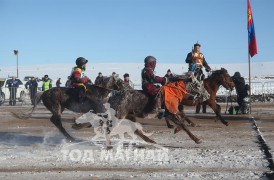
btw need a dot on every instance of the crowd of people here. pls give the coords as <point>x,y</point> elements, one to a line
<point>150,82</point>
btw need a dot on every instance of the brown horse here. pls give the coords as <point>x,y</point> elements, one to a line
<point>135,103</point>
<point>58,98</point>
<point>211,84</point>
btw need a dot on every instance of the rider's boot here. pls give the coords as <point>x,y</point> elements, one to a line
<point>82,94</point>
<point>204,107</point>
<point>158,105</point>
<point>198,107</point>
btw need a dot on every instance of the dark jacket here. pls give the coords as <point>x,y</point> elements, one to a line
<point>31,84</point>
<point>240,85</point>
<point>13,84</point>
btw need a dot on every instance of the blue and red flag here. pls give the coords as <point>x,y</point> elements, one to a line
<point>252,44</point>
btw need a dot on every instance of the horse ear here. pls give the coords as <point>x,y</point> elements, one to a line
<point>116,77</point>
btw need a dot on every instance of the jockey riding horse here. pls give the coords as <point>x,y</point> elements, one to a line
<point>196,62</point>
<point>78,78</point>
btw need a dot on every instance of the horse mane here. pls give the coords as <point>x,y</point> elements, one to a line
<point>218,72</point>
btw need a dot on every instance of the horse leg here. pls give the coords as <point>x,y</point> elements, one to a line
<point>131,117</point>
<point>181,125</point>
<point>183,116</point>
<point>144,137</point>
<point>56,120</point>
<point>168,124</point>
<point>217,109</point>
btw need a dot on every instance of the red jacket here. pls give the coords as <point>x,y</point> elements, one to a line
<point>149,78</point>
<point>78,78</point>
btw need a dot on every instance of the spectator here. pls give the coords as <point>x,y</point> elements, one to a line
<point>1,98</point>
<point>68,83</point>
<point>198,107</point>
<point>32,86</point>
<point>99,78</point>
<point>58,82</point>
<point>46,83</point>
<point>13,85</point>
<point>241,90</point>
<point>169,74</point>
<point>128,84</point>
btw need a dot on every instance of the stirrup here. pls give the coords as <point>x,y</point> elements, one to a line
<point>160,110</point>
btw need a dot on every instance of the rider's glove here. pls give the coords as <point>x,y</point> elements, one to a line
<point>208,69</point>
<point>85,80</point>
<point>166,80</point>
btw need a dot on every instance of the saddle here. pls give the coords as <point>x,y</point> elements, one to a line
<point>173,93</point>
<point>78,92</point>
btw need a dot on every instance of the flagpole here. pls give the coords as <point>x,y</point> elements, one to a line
<point>249,71</point>
<point>249,81</point>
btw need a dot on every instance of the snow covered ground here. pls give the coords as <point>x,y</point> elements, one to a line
<point>35,149</point>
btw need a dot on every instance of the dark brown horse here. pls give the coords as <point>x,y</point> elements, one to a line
<point>135,103</point>
<point>58,98</point>
<point>212,83</point>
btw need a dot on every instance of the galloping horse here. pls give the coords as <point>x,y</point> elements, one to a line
<point>58,98</point>
<point>212,83</point>
<point>136,103</point>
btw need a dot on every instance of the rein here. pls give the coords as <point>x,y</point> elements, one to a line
<point>105,88</point>
<point>173,86</point>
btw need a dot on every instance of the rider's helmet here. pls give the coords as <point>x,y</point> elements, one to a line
<point>80,61</point>
<point>149,59</point>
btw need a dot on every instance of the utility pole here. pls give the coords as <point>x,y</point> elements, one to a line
<point>16,52</point>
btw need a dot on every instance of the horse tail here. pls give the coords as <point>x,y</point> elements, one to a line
<point>143,136</point>
<point>140,127</point>
<point>22,115</point>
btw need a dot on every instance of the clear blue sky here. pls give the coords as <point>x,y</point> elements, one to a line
<point>59,31</point>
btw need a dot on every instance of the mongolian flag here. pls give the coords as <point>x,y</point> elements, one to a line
<point>252,44</point>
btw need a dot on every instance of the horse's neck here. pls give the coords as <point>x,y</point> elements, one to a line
<point>211,84</point>
<point>99,91</point>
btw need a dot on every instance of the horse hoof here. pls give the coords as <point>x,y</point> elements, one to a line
<point>176,130</point>
<point>80,126</point>
<point>109,147</point>
<point>71,140</point>
<point>193,125</point>
<point>170,126</point>
<point>227,124</point>
<point>199,141</point>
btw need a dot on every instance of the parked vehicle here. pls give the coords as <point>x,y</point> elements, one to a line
<point>5,93</point>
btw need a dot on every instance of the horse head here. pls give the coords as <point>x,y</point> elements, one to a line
<point>111,82</point>
<point>223,78</point>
